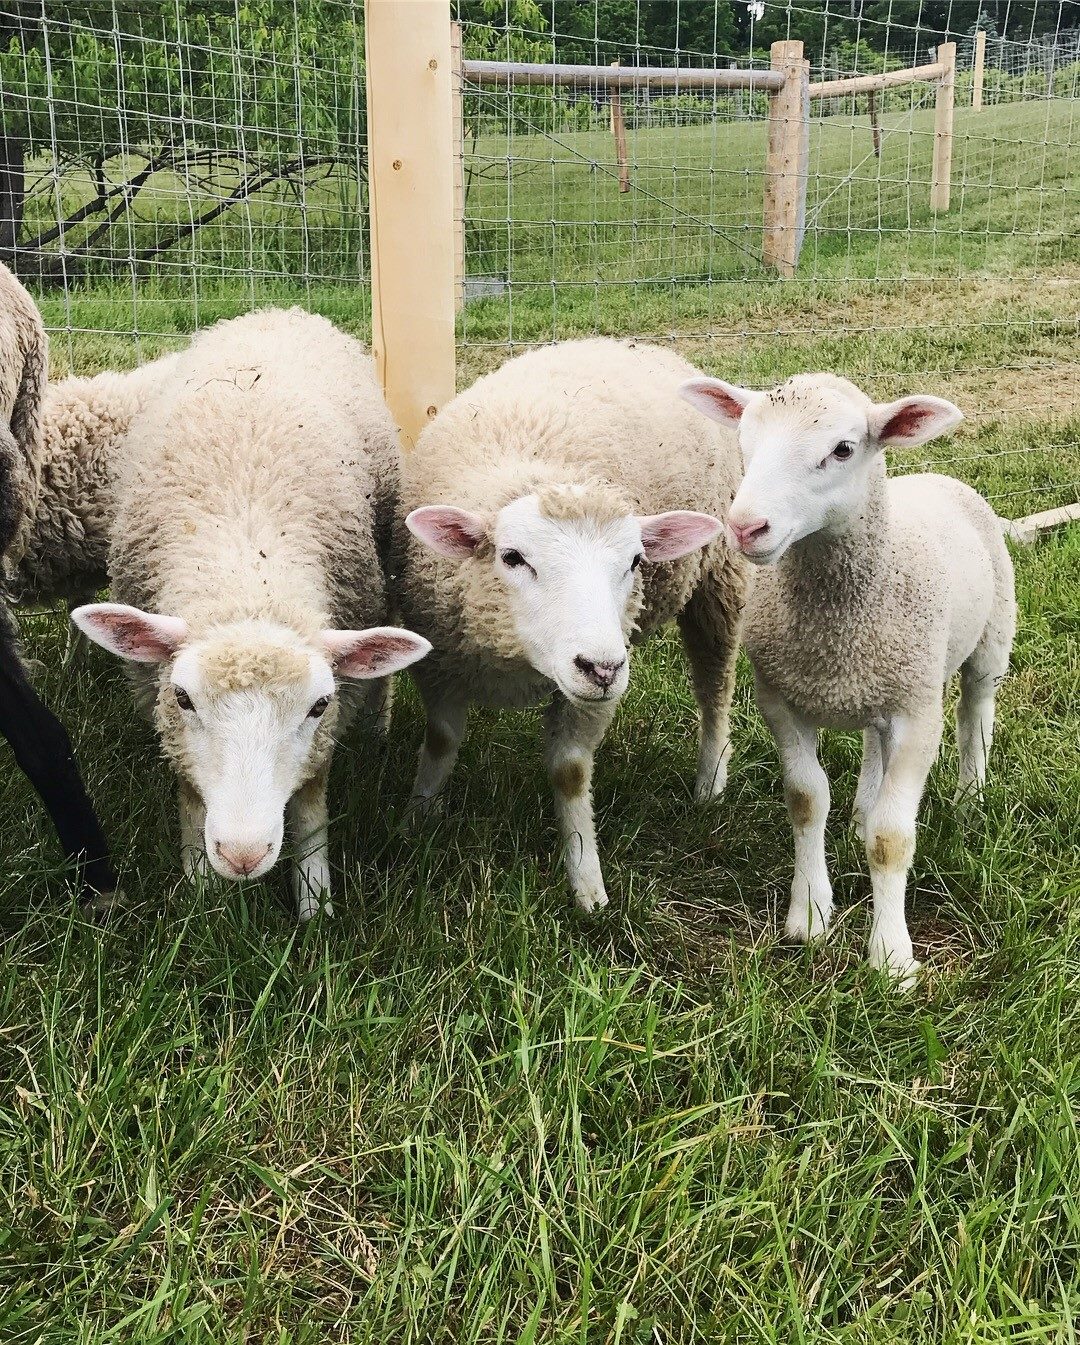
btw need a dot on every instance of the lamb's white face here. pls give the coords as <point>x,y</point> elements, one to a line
<point>569,579</point>
<point>810,452</point>
<point>246,749</point>
<point>246,714</point>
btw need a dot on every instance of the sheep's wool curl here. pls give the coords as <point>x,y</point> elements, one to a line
<point>595,429</point>
<point>84,425</point>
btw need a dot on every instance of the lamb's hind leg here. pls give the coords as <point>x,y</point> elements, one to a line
<point>869,779</point>
<point>980,677</point>
<point>709,625</point>
<point>446,716</point>
<point>308,827</point>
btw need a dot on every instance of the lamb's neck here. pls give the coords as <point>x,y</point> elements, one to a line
<point>845,562</point>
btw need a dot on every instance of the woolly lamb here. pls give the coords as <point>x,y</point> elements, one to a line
<point>251,497</point>
<point>38,740</point>
<point>875,592</point>
<point>543,489</point>
<point>84,423</point>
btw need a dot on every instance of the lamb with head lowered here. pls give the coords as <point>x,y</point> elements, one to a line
<point>555,518</point>
<point>254,502</point>
<point>871,593</point>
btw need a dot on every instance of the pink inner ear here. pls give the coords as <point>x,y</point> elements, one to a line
<point>141,636</point>
<point>669,536</point>
<point>449,531</point>
<point>373,653</point>
<point>907,421</point>
<point>714,399</point>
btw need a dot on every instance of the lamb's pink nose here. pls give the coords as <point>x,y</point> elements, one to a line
<point>745,533</point>
<point>243,859</point>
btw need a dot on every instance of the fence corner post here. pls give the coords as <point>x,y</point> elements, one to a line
<point>411,201</point>
<point>787,159</point>
<point>978,71</point>
<point>941,181</point>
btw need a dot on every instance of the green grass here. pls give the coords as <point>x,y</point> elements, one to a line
<point>459,1114</point>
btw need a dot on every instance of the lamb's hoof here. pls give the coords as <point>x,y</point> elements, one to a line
<point>858,821</point>
<point>307,908</point>
<point>709,786</point>
<point>806,926</point>
<point>103,903</point>
<point>591,901</point>
<point>421,812</point>
<point>966,800</point>
<point>901,969</point>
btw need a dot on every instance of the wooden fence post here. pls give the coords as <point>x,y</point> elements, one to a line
<point>787,160</point>
<point>875,125</point>
<point>977,71</point>
<point>458,113</point>
<point>411,199</point>
<point>941,181</point>
<point>618,130</point>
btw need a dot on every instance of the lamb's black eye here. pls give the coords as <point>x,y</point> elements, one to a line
<point>512,559</point>
<point>319,708</point>
<point>183,699</point>
<point>636,561</point>
<point>843,451</point>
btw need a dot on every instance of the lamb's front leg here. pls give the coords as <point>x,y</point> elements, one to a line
<point>307,819</point>
<point>806,791</point>
<point>574,733</point>
<point>911,744</point>
<point>447,712</point>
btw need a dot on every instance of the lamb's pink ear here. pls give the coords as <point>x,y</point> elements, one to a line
<point>376,652</point>
<point>450,532</point>
<point>669,536</point>
<point>140,636</point>
<point>912,421</point>
<point>718,400</point>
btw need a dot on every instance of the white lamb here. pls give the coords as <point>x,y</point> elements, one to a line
<point>254,497</point>
<point>536,496</point>
<point>874,593</point>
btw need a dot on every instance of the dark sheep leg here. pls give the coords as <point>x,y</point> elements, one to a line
<point>44,753</point>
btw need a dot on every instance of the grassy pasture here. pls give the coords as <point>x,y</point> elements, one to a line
<point>459,1114</point>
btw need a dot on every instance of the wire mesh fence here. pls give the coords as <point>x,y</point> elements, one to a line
<point>979,302</point>
<point>165,165</point>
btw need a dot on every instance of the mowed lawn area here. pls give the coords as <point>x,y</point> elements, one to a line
<point>457,1113</point>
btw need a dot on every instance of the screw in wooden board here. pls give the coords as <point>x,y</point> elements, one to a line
<point>433,64</point>
<point>397,164</point>
<point>431,411</point>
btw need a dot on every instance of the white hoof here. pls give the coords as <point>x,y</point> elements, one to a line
<point>898,965</point>
<point>808,924</point>
<point>592,900</point>
<point>309,907</point>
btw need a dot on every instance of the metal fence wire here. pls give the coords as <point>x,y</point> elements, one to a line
<point>165,165</point>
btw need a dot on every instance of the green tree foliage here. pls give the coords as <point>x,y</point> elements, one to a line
<point>235,97</point>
